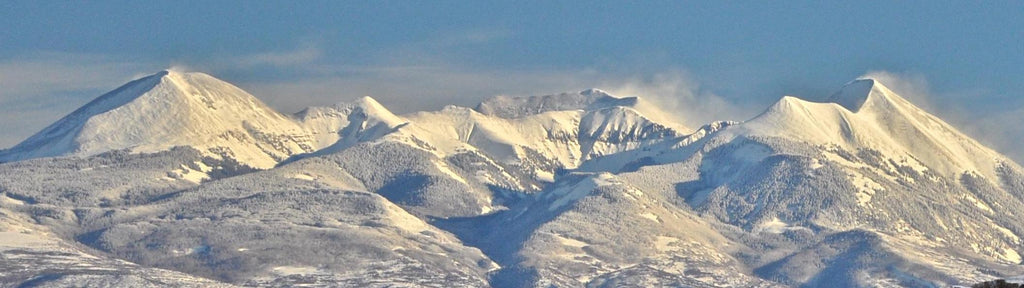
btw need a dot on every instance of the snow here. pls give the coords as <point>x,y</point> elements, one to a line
<point>448,171</point>
<point>816,164</point>
<point>605,125</point>
<point>571,194</point>
<point>191,250</point>
<point>567,128</point>
<point>866,114</point>
<point>22,239</point>
<point>664,243</point>
<point>650,216</point>
<point>750,154</point>
<point>544,176</point>
<point>303,176</point>
<point>1011,255</point>
<point>194,176</point>
<point>854,94</point>
<point>590,131</point>
<point>370,106</point>
<point>345,124</point>
<point>586,100</point>
<point>9,200</point>
<point>776,226</point>
<point>405,221</point>
<point>571,242</point>
<point>172,109</point>
<point>1006,232</point>
<point>295,270</point>
<point>978,203</point>
<point>456,129</point>
<point>866,188</point>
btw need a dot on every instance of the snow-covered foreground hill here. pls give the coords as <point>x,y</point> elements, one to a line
<point>180,179</point>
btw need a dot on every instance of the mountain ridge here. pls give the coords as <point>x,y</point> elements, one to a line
<point>567,190</point>
<point>868,114</point>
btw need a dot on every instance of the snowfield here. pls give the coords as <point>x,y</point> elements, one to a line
<point>181,179</point>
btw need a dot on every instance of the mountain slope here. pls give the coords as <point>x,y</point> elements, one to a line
<point>345,124</point>
<point>31,255</point>
<point>866,114</point>
<point>459,162</point>
<point>871,162</point>
<point>172,109</point>
<point>287,227</point>
<point>566,130</point>
<point>568,190</point>
<point>598,230</point>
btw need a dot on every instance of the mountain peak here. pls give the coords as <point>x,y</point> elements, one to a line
<point>176,71</point>
<point>163,110</point>
<point>377,112</point>
<point>854,94</point>
<point>857,93</point>
<point>175,74</point>
<point>515,107</point>
<point>866,114</point>
<point>368,103</point>
<point>587,100</point>
<point>594,92</point>
<point>365,105</point>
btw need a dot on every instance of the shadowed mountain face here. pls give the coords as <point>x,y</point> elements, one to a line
<point>180,179</point>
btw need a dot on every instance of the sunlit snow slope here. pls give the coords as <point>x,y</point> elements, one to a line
<point>582,189</point>
<point>170,109</point>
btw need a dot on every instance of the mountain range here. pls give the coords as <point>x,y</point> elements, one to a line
<point>181,179</point>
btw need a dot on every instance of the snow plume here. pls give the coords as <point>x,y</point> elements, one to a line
<point>1002,132</point>
<point>987,126</point>
<point>679,96</point>
<point>999,129</point>
<point>179,67</point>
<point>911,86</point>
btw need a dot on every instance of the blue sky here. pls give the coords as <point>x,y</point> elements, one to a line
<point>719,60</point>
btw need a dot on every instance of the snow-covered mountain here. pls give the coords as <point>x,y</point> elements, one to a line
<point>170,109</point>
<point>187,177</point>
<point>867,115</point>
<point>869,164</point>
<point>348,123</point>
